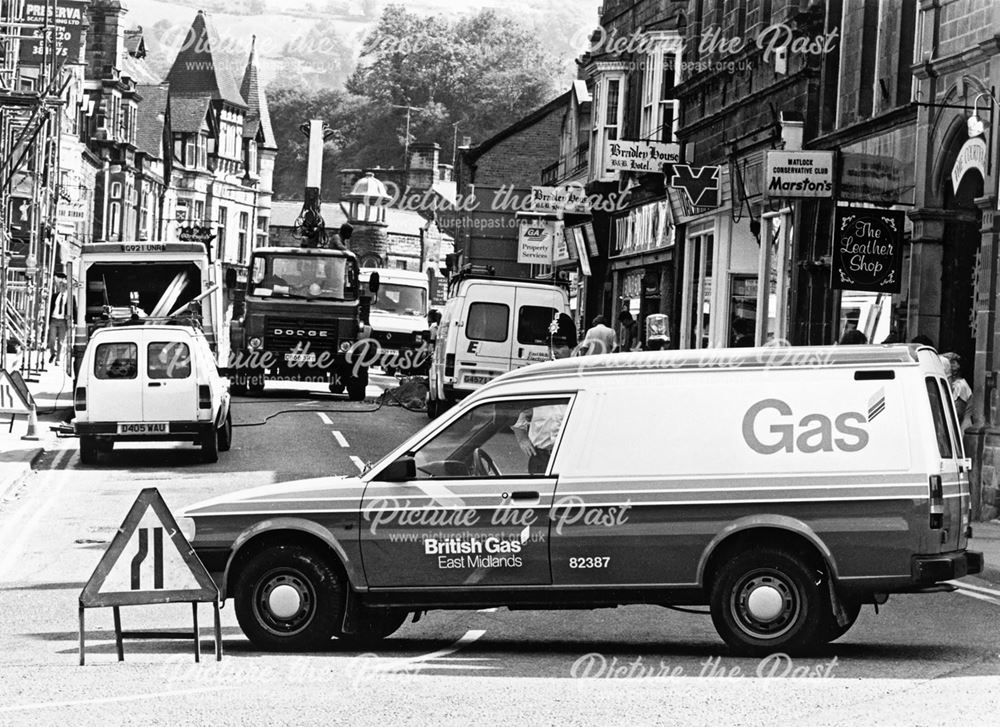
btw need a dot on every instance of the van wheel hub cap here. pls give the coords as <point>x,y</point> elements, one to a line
<point>285,602</point>
<point>765,603</point>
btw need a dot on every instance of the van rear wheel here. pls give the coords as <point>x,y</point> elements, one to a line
<point>225,434</point>
<point>766,600</point>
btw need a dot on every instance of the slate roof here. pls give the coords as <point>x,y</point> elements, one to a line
<point>152,117</point>
<point>195,73</point>
<point>138,70</point>
<point>187,114</point>
<point>258,115</point>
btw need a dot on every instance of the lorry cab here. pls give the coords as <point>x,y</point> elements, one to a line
<point>399,319</point>
<point>489,326</point>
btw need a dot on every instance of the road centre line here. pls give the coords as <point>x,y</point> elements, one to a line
<point>970,587</point>
<point>358,463</point>
<point>110,700</point>
<point>979,596</point>
<point>340,439</point>
<point>394,664</point>
<point>325,418</point>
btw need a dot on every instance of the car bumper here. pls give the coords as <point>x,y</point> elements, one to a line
<point>179,431</point>
<point>945,567</point>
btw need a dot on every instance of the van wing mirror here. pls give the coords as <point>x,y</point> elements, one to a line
<point>402,470</point>
<point>374,282</point>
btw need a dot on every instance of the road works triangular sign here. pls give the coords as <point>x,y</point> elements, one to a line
<point>14,395</point>
<point>148,561</point>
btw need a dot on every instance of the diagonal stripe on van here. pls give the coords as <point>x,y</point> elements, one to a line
<point>876,405</point>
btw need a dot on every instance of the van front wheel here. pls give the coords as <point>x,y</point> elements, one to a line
<point>767,600</point>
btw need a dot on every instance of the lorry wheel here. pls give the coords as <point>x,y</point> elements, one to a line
<point>766,600</point>
<point>225,434</point>
<point>289,598</point>
<point>210,445</point>
<point>372,625</point>
<point>88,450</point>
<point>833,630</point>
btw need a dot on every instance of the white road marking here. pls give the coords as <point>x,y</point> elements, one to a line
<point>358,463</point>
<point>981,597</point>
<point>108,700</point>
<point>978,589</point>
<point>325,418</point>
<point>396,664</point>
<point>488,610</point>
<point>25,531</point>
<point>340,439</point>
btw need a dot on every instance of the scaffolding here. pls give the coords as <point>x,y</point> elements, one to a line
<point>30,130</point>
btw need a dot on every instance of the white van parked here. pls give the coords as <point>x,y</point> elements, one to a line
<point>489,326</point>
<point>149,383</point>
<point>399,319</point>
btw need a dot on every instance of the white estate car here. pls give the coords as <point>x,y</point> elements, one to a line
<point>152,382</point>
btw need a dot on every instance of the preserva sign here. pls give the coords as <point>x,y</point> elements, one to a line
<point>66,23</point>
<point>798,174</point>
<point>642,156</point>
<point>535,239</point>
<point>868,249</point>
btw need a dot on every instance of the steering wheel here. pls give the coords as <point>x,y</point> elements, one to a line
<point>483,465</point>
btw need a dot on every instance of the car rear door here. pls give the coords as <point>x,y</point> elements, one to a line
<point>535,312</point>
<point>170,389</point>
<point>114,384</point>
<point>484,335</point>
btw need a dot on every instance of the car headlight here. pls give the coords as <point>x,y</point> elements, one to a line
<point>255,343</point>
<point>187,526</point>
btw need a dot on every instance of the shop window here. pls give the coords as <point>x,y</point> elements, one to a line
<point>698,289</point>
<point>743,311</point>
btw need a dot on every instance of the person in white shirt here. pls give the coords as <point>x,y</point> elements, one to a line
<point>600,338</point>
<point>961,392</point>
<point>59,315</point>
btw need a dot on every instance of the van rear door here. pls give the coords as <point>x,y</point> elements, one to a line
<point>114,386</point>
<point>483,348</point>
<point>170,389</point>
<point>948,487</point>
<point>535,311</point>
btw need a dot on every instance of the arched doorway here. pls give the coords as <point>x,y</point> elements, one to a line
<point>959,264</point>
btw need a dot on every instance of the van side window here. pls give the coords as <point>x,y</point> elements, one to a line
<point>116,361</point>
<point>956,428</point>
<point>168,360</point>
<point>940,422</point>
<point>514,438</point>
<point>533,324</point>
<point>487,322</point>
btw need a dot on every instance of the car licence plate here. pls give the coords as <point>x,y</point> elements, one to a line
<point>143,428</point>
<point>300,358</point>
<point>476,379</point>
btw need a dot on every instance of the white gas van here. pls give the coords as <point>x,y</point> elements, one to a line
<point>150,383</point>
<point>489,326</point>
<point>398,319</point>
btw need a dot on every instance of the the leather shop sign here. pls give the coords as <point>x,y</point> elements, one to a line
<point>868,249</point>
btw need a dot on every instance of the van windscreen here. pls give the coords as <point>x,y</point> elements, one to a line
<point>940,421</point>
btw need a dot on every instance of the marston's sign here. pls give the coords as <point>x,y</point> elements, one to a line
<point>868,249</point>
<point>972,155</point>
<point>642,156</point>
<point>798,174</point>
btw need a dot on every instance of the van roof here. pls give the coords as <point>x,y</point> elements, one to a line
<point>725,358</point>
<point>394,274</point>
<point>189,330</point>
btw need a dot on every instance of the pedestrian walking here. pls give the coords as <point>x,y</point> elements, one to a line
<point>961,392</point>
<point>600,338</point>
<point>629,332</point>
<point>60,313</point>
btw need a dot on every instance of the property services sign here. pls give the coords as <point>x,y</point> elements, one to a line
<point>799,174</point>
<point>868,249</point>
<point>535,239</point>
<point>642,156</point>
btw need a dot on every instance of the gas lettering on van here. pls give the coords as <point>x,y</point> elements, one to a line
<point>815,431</point>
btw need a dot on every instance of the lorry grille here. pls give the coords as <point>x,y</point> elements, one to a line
<point>394,341</point>
<point>283,335</point>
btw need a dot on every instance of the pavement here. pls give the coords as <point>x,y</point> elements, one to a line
<point>52,390</point>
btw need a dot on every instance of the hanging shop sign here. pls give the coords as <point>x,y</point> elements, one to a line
<point>568,198</point>
<point>68,21</point>
<point>972,155</point>
<point>868,249</point>
<point>702,185</point>
<point>591,239</point>
<point>642,156</point>
<point>535,240</point>
<point>798,174</point>
<point>870,178</point>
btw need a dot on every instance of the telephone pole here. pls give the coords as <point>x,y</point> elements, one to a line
<point>406,140</point>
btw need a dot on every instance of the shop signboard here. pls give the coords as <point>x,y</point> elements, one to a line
<point>870,178</point>
<point>643,229</point>
<point>702,185</point>
<point>798,174</point>
<point>535,240</point>
<point>868,249</point>
<point>972,155</point>
<point>642,156</point>
<point>568,198</point>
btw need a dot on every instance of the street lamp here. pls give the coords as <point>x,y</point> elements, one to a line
<point>975,124</point>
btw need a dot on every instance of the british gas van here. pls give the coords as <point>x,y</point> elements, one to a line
<point>784,488</point>
<point>489,326</point>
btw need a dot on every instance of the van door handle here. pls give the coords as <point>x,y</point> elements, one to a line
<point>155,383</point>
<point>520,353</point>
<point>525,495</point>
